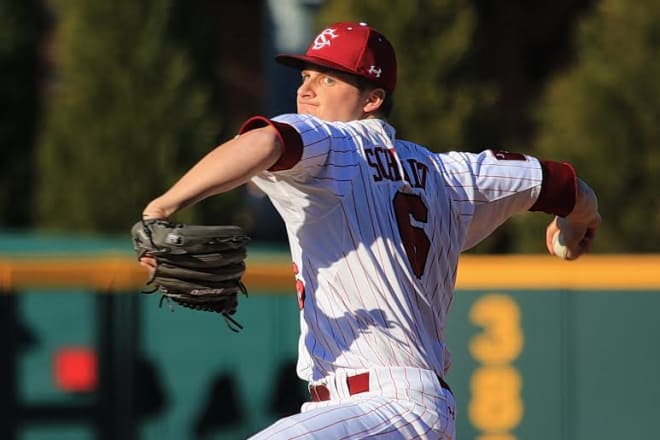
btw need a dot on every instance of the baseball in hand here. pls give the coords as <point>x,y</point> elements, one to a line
<point>561,250</point>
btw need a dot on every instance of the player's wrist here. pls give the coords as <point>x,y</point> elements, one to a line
<point>585,211</point>
<point>158,209</point>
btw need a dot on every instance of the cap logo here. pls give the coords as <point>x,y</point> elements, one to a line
<point>374,71</point>
<point>323,39</point>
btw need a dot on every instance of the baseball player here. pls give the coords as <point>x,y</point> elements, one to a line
<point>376,225</point>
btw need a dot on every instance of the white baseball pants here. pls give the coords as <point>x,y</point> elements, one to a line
<point>402,403</point>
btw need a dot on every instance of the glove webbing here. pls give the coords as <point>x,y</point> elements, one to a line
<point>232,324</point>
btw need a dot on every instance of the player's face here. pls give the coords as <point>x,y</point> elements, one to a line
<point>330,95</point>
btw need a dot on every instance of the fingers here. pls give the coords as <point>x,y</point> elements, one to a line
<point>577,237</point>
<point>550,232</point>
<point>578,229</point>
<point>147,262</point>
<point>587,240</point>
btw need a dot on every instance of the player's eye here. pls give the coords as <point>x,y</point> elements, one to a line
<point>304,77</point>
<point>328,80</point>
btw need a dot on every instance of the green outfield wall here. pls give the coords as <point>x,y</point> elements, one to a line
<point>541,349</point>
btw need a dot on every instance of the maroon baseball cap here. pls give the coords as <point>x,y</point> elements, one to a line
<point>354,48</point>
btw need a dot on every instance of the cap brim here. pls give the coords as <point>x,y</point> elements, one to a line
<point>300,61</point>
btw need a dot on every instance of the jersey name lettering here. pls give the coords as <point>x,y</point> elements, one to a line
<point>383,162</point>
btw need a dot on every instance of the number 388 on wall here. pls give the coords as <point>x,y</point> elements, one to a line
<point>496,406</point>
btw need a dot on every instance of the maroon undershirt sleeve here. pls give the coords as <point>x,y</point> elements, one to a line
<point>290,140</point>
<point>558,190</point>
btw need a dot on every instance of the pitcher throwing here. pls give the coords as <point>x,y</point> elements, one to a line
<point>376,225</point>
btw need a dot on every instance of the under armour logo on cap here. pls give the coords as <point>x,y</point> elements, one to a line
<point>375,72</point>
<point>354,48</point>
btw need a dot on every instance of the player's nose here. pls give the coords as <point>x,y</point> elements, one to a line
<point>305,90</point>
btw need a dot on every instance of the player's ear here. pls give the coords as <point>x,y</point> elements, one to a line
<point>373,100</point>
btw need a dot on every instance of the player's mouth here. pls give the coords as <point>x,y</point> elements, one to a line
<point>306,108</point>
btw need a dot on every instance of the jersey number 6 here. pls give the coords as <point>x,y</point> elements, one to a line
<point>406,208</point>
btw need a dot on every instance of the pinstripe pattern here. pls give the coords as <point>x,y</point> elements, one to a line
<point>421,411</point>
<point>365,307</point>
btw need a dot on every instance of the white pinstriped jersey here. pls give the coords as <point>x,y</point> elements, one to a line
<point>376,226</point>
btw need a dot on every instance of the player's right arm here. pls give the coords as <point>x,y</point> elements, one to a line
<point>492,186</point>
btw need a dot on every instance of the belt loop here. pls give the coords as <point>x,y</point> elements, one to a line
<point>319,393</point>
<point>340,384</point>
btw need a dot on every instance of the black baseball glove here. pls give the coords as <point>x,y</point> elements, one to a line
<point>197,266</point>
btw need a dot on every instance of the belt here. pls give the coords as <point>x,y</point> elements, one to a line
<point>356,384</point>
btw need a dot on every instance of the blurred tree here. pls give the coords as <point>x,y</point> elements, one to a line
<point>126,115</point>
<point>469,72</point>
<point>23,25</point>
<point>217,42</point>
<point>603,115</point>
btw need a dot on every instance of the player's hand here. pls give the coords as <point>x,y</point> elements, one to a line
<point>149,263</point>
<point>571,236</point>
<point>574,240</point>
<point>152,211</point>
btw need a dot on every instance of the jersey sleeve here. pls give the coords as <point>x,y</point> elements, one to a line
<point>559,189</point>
<point>289,138</point>
<point>306,141</point>
<point>488,188</point>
